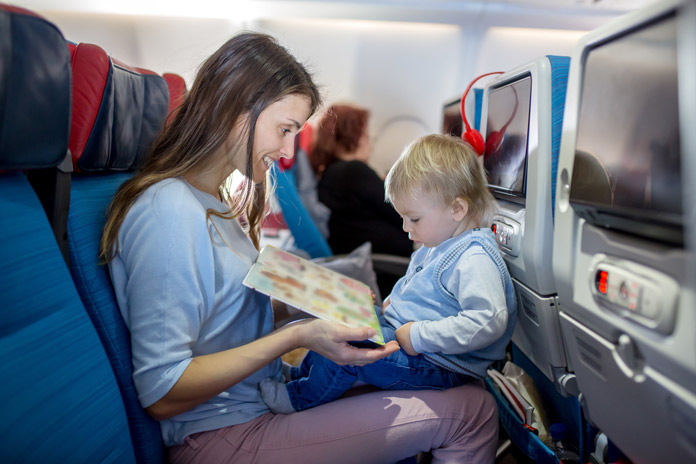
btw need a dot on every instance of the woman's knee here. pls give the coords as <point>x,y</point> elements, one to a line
<point>476,405</point>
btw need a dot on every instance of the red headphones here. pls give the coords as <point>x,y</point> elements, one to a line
<point>472,136</point>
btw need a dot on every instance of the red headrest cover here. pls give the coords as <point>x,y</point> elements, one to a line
<point>177,92</point>
<point>117,111</point>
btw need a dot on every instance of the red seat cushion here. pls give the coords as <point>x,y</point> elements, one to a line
<point>177,92</point>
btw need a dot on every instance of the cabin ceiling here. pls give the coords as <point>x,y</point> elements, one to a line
<point>437,11</point>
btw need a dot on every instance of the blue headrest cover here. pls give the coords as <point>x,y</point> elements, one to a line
<point>34,91</point>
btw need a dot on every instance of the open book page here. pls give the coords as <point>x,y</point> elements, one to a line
<point>314,289</point>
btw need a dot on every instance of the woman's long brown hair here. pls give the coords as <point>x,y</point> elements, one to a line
<point>248,73</point>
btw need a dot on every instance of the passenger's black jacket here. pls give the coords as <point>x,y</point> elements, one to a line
<point>355,195</point>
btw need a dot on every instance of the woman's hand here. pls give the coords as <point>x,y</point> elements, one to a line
<point>403,336</point>
<point>331,341</point>
<point>208,375</point>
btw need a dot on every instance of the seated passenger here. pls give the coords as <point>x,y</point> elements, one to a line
<point>453,312</point>
<point>351,189</point>
<point>201,340</point>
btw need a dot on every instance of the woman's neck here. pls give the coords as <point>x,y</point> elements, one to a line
<point>204,183</point>
<point>211,177</point>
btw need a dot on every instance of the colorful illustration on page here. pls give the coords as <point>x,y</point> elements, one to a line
<point>314,289</point>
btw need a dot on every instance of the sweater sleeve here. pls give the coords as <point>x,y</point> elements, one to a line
<point>167,266</point>
<point>474,280</point>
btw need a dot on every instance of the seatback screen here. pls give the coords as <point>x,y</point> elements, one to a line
<point>507,128</point>
<point>627,168</point>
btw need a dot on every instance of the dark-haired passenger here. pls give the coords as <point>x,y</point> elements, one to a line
<point>351,189</point>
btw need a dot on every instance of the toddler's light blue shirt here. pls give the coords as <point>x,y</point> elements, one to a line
<point>462,301</point>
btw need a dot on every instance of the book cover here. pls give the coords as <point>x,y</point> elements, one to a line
<point>314,289</point>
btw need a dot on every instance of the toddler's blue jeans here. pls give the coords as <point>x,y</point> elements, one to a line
<point>318,380</point>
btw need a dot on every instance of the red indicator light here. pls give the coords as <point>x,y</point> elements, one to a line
<point>494,227</point>
<point>601,281</point>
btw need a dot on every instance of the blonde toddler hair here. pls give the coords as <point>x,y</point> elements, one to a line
<point>446,168</point>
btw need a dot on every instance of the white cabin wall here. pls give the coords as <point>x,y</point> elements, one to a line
<point>114,33</point>
<point>395,70</point>
<point>161,44</point>
<point>505,48</point>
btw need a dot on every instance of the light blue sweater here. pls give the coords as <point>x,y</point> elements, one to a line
<point>178,282</point>
<point>462,300</point>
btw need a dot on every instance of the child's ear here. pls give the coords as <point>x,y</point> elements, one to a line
<point>460,208</point>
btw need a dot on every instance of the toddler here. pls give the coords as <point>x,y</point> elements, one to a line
<point>453,312</point>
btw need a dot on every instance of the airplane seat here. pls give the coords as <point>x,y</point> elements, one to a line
<point>478,106</point>
<point>523,121</point>
<point>295,191</point>
<point>52,186</point>
<point>304,230</point>
<point>116,113</point>
<point>61,402</point>
<point>527,103</point>
<point>306,179</point>
<point>622,270</point>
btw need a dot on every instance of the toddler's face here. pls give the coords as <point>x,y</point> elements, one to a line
<point>426,220</point>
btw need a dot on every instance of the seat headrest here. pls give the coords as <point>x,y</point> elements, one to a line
<point>34,91</point>
<point>117,111</point>
<point>177,92</point>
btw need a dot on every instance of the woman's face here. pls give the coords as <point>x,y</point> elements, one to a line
<point>276,128</point>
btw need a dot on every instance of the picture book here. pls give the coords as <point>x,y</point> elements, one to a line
<point>314,289</point>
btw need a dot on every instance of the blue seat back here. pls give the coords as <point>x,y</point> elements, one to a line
<point>61,402</point>
<point>559,84</point>
<point>112,128</point>
<point>302,227</point>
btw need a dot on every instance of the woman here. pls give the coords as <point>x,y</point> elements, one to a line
<point>351,189</point>
<point>201,340</point>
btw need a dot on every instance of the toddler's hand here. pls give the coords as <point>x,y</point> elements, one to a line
<point>403,336</point>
